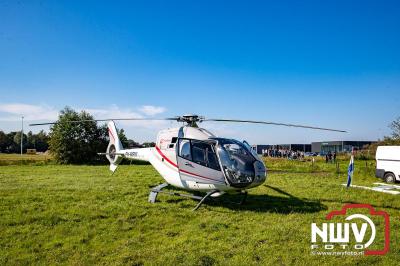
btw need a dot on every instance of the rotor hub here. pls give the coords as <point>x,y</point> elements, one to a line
<point>190,119</point>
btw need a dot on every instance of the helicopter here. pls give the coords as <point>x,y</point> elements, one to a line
<point>194,159</point>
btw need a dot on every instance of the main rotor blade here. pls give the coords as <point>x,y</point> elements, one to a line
<point>103,120</point>
<point>273,123</point>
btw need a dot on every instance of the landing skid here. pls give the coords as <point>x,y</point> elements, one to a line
<point>243,200</point>
<point>158,189</point>
<point>204,198</point>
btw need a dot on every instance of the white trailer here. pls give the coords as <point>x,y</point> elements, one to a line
<point>388,163</point>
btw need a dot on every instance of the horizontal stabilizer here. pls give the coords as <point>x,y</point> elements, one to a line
<point>110,153</point>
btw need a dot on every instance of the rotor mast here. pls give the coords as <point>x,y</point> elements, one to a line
<point>190,119</point>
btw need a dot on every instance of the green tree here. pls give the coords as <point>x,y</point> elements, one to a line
<point>38,141</point>
<point>123,138</point>
<point>12,147</point>
<point>133,144</point>
<point>77,142</point>
<point>17,141</point>
<point>148,144</point>
<point>4,142</point>
<point>388,141</point>
<point>395,126</point>
<point>41,141</point>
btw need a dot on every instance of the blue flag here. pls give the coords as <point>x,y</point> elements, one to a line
<point>350,171</point>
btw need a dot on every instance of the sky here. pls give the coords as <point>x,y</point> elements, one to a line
<point>332,64</point>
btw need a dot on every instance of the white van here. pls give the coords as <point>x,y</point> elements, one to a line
<point>388,163</point>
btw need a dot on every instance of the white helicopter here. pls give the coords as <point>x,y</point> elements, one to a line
<point>194,159</point>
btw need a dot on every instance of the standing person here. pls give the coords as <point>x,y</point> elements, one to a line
<point>334,157</point>
<point>326,158</point>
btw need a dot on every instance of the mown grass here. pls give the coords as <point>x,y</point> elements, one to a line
<point>83,215</point>
<point>24,159</point>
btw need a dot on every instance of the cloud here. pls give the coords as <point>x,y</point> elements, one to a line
<point>143,130</point>
<point>151,110</point>
<point>14,111</point>
<point>112,111</point>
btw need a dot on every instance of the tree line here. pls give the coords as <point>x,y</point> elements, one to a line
<point>11,142</point>
<point>74,139</point>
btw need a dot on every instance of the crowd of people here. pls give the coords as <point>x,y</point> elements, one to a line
<point>283,153</point>
<point>330,157</point>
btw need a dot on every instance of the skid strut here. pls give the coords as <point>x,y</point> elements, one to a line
<point>154,192</point>
<point>158,189</point>
<point>204,198</point>
<point>244,198</point>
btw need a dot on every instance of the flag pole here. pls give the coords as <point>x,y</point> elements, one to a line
<point>22,134</point>
<point>350,170</point>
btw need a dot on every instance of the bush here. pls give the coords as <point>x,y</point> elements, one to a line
<point>76,139</point>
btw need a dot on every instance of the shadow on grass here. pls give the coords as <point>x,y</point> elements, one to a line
<point>284,204</point>
<point>266,203</point>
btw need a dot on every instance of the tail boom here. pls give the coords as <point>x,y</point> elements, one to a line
<point>115,152</point>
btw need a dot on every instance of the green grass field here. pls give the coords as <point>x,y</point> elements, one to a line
<point>82,215</point>
<point>17,159</point>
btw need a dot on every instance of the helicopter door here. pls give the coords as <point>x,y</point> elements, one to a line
<point>198,162</point>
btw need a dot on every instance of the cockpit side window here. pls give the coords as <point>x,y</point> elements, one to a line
<point>199,152</point>
<point>204,154</point>
<point>213,159</point>
<point>184,149</point>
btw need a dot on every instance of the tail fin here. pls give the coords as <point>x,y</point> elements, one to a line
<point>114,147</point>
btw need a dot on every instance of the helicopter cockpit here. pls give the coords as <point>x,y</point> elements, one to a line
<point>239,162</point>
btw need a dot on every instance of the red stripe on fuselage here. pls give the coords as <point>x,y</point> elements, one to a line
<point>181,170</point>
<point>165,158</point>
<point>111,134</point>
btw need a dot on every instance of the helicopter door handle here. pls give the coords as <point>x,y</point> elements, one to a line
<point>188,164</point>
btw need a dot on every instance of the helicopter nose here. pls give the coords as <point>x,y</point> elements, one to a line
<point>260,172</point>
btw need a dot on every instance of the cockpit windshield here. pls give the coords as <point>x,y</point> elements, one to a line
<point>237,162</point>
<point>250,149</point>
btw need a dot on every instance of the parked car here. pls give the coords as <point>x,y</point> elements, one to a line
<point>388,163</point>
